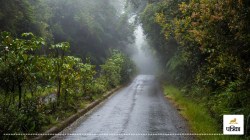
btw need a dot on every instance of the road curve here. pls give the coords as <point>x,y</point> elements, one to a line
<point>139,109</point>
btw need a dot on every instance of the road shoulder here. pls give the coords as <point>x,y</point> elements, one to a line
<point>64,124</point>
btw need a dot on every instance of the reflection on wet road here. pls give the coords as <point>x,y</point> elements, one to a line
<point>139,108</point>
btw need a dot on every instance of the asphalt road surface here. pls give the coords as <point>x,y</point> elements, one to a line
<point>138,112</point>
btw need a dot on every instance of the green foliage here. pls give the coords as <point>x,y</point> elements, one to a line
<point>196,113</point>
<point>153,31</point>
<point>91,27</point>
<point>19,62</point>
<point>24,73</point>
<point>29,66</point>
<point>117,69</point>
<point>211,55</point>
<point>89,85</point>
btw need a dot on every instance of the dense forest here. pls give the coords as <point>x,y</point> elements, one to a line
<point>204,46</point>
<point>57,56</point>
<point>91,27</point>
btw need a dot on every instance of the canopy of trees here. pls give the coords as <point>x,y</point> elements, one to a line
<point>205,47</point>
<point>91,27</point>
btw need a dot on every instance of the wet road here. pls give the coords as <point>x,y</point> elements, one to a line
<point>139,109</point>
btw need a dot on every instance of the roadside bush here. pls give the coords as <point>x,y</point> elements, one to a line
<point>117,69</point>
<point>24,73</point>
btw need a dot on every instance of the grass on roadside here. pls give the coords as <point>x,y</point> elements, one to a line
<point>196,114</point>
<point>61,114</point>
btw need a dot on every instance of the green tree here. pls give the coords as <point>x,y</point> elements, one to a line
<point>117,69</point>
<point>58,60</point>
<point>211,54</point>
<point>19,60</point>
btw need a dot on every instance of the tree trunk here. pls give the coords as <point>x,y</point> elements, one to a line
<point>19,95</point>
<point>9,103</point>
<point>59,88</point>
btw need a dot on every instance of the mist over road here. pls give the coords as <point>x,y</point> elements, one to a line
<point>139,108</point>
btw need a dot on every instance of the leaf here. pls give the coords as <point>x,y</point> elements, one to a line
<point>27,34</point>
<point>25,57</point>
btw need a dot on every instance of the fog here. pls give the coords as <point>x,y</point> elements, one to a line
<point>144,58</point>
<point>142,54</point>
<point>119,5</point>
